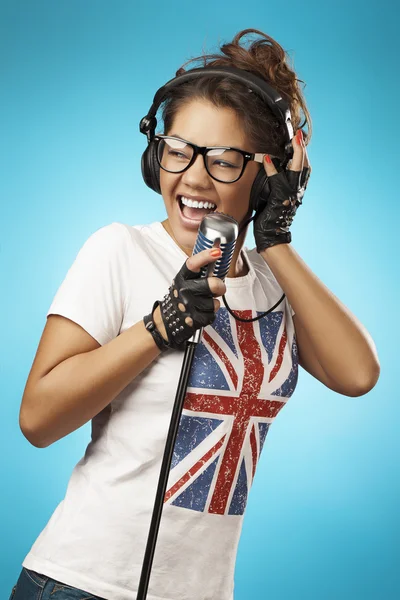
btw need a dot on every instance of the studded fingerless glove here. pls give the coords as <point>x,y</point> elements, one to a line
<point>189,291</point>
<point>271,225</point>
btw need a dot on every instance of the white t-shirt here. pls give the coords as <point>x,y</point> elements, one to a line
<point>242,375</point>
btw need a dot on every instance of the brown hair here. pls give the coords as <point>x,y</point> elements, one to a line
<point>267,59</point>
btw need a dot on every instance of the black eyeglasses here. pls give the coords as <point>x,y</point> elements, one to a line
<point>222,163</point>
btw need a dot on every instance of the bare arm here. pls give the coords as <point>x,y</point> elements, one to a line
<point>333,345</point>
<point>78,388</point>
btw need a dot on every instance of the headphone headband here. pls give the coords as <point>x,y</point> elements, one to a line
<point>268,94</point>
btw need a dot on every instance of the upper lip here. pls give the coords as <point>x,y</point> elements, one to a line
<point>198,198</point>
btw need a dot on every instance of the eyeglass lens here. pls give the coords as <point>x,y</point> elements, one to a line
<point>225,165</point>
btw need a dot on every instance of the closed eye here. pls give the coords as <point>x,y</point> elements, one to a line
<point>224,164</point>
<point>177,154</point>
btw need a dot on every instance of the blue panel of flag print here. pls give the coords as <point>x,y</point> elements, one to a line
<point>195,495</point>
<point>222,326</point>
<point>263,430</point>
<point>192,431</point>
<point>205,371</point>
<point>269,327</point>
<point>286,390</point>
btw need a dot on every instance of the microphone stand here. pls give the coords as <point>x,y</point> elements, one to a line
<point>166,463</point>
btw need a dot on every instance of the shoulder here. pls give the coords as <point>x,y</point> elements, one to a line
<point>138,235</point>
<point>107,235</point>
<point>105,248</point>
<point>136,247</point>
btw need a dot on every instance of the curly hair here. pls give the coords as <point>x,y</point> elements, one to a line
<point>263,57</point>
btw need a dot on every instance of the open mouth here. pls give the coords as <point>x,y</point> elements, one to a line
<point>194,210</point>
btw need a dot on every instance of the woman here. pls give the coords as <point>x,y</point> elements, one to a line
<point>96,359</point>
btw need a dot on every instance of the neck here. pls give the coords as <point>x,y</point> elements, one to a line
<point>238,267</point>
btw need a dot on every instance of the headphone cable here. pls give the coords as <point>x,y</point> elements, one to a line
<point>262,314</point>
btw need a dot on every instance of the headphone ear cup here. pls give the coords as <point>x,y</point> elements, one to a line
<point>151,168</point>
<point>260,191</point>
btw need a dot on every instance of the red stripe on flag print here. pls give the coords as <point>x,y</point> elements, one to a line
<point>254,453</point>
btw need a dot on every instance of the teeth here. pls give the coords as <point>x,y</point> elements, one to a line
<point>196,204</point>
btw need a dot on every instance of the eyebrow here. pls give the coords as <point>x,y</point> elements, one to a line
<point>208,145</point>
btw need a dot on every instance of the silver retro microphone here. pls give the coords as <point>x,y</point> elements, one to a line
<point>219,231</point>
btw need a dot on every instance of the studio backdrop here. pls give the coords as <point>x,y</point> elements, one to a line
<point>322,518</point>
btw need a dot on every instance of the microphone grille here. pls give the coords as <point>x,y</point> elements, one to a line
<point>220,230</point>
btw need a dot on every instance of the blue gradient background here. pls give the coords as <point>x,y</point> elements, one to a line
<point>76,77</point>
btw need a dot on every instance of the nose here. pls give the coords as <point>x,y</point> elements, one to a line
<point>196,175</point>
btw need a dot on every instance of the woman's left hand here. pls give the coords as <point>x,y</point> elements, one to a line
<point>271,226</point>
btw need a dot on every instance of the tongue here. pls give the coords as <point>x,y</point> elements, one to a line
<point>196,214</point>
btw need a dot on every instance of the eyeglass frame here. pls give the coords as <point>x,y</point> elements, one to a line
<point>247,156</point>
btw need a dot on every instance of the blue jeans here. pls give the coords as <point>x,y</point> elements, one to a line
<point>34,586</point>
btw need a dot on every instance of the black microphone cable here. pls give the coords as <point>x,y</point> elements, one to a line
<point>224,299</point>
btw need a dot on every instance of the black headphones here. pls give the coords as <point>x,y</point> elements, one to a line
<point>260,190</point>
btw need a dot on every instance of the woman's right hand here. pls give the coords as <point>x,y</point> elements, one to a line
<point>191,300</point>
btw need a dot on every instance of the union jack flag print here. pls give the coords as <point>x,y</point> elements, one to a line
<point>242,375</point>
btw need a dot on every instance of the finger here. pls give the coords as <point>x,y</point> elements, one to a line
<point>269,166</point>
<point>205,257</point>
<point>217,305</point>
<point>297,161</point>
<point>217,286</point>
